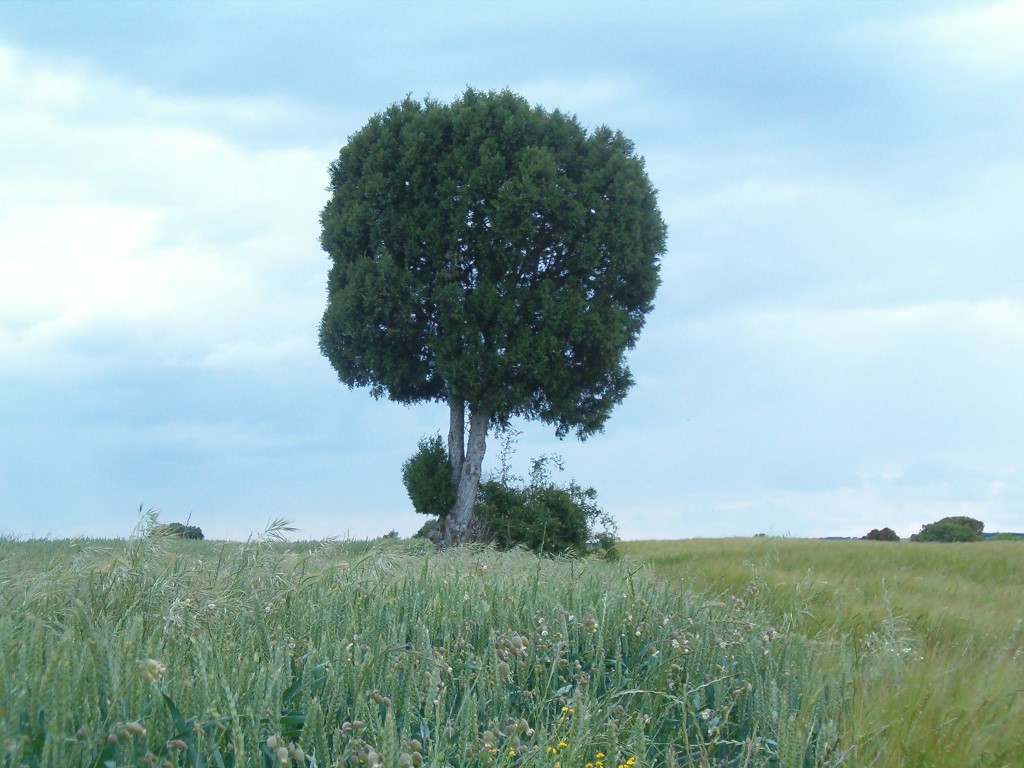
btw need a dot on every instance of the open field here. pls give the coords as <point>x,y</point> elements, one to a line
<point>161,652</point>
<point>741,653</point>
<point>950,616</point>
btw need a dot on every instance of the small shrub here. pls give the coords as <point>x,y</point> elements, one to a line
<point>544,516</point>
<point>885,534</point>
<point>428,478</point>
<point>544,519</point>
<point>179,530</point>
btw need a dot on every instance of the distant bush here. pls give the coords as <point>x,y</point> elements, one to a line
<point>885,534</point>
<point>428,478</point>
<point>544,516</point>
<point>951,529</point>
<point>180,530</point>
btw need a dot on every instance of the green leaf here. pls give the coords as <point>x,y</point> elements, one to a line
<point>181,725</point>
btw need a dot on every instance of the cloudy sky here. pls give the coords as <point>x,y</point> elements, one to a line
<point>838,343</point>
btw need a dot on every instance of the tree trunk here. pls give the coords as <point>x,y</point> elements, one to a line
<point>457,438</point>
<point>461,517</point>
<point>456,457</point>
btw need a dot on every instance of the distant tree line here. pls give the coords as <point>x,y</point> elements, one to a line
<point>946,530</point>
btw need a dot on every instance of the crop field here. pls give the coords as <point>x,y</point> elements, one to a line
<point>162,652</point>
<point>936,632</point>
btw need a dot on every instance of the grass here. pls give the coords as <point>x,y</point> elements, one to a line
<point>159,652</point>
<point>937,630</point>
<point>766,652</point>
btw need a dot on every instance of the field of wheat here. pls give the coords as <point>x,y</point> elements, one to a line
<point>937,632</point>
<point>161,652</point>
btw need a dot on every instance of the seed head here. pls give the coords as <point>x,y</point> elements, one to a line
<point>136,728</point>
<point>151,670</point>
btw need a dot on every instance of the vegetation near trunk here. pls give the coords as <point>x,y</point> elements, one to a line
<point>492,256</point>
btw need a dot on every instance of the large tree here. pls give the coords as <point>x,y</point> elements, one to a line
<point>492,256</point>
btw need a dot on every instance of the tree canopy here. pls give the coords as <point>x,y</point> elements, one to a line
<point>493,256</point>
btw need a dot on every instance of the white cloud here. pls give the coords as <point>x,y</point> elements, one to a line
<point>37,87</point>
<point>992,324</point>
<point>139,216</point>
<point>986,38</point>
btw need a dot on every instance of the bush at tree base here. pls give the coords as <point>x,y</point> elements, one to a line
<point>428,478</point>
<point>544,516</point>
<point>540,515</point>
<point>885,534</point>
